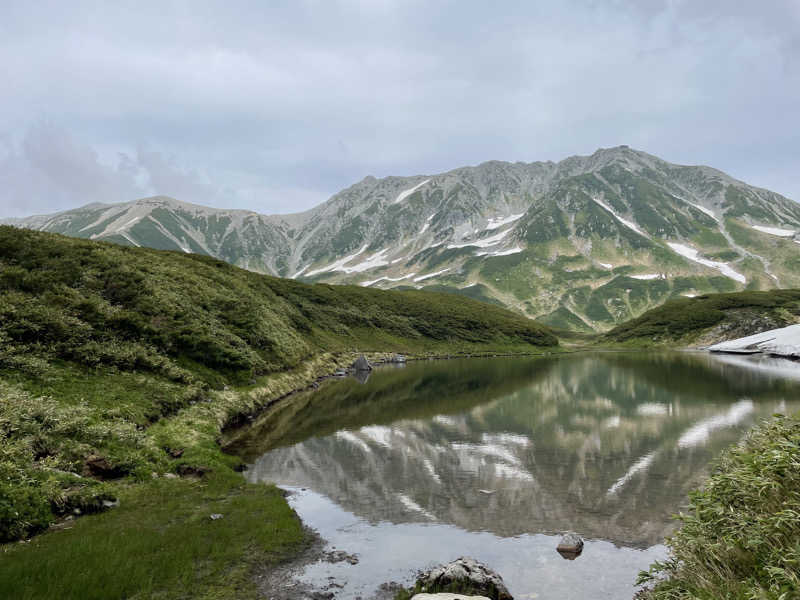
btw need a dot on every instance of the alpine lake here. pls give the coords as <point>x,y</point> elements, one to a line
<point>415,465</point>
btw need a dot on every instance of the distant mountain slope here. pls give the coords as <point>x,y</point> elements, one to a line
<point>584,243</point>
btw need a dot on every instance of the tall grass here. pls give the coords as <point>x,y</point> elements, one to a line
<point>740,537</point>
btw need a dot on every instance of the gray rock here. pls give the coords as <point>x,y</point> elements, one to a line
<point>570,546</point>
<point>466,576</point>
<point>216,516</point>
<point>447,596</point>
<point>362,364</point>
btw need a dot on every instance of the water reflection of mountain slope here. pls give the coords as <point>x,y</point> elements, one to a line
<point>608,445</point>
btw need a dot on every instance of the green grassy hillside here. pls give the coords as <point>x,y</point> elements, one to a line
<point>709,318</point>
<point>120,365</point>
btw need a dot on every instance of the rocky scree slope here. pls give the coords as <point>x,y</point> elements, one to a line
<point>584,244</point>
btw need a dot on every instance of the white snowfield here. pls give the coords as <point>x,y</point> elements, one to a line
<point>779,342</point>
<point>775,231</point>
<point>406,193</point>
<point>694,256</point>
<point>646,277</point>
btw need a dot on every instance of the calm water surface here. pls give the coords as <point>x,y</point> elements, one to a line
<point>493,458</point>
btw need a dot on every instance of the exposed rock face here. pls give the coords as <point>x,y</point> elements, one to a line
<point>585,243</point>
<point>465,575</point>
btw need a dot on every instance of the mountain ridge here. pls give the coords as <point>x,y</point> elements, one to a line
<point>583,243</point>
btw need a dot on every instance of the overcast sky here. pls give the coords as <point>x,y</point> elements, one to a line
<point>275,106</point>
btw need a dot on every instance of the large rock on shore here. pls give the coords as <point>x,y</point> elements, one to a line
<point>464,576</point>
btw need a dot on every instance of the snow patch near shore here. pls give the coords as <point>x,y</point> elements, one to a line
<point>780,342</point>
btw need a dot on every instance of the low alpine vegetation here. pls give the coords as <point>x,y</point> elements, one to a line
<point>740,537</point>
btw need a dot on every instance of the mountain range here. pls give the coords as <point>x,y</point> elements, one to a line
<point>582,244</point>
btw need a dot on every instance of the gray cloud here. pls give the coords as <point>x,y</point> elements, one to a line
<point>275,106</point>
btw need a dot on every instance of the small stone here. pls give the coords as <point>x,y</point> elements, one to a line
<point>216,516</point>
<point>170,476</point>
<point>110,503</point>
<point>570,546</point>
<point>76,511</point>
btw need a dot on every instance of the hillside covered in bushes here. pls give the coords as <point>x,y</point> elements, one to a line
<point>709,318</point>
<point>104,348</point>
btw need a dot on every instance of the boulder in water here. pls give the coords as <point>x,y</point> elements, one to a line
<point>570,546</point>
<point>361,364</point>
<point>464,576</point>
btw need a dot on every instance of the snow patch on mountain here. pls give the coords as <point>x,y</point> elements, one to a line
<point>338,264</point>
<point>702,209</point>
<point>300,272</point>
<point>629,224</point>
<point>406,193</point>
<point>775,231</point>
<point>392,279</point>
<point>484,243</point>
<point>646,277</point>
<point>376,260</point>
<point>694,256</point>
<point>514,250</point>
<point>429,275</point>
<point>497,223</point>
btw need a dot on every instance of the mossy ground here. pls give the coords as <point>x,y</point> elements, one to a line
<point>159,543</point>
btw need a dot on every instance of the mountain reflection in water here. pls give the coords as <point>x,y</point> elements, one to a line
<point>605,444</point>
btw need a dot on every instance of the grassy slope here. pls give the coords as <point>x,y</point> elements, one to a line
<point>686,320</point>
<point>740,537</point>
<point>120,363</point>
